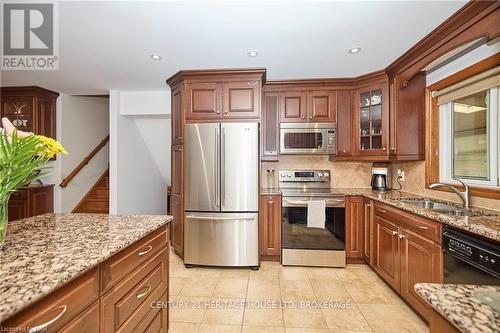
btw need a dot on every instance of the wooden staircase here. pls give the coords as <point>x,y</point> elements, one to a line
<point>97,198</point>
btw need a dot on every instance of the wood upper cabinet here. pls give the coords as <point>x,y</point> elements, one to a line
<point>204,101</point>
<point>344,123</point>
<point>308,106</point>
<point>177,116</point>
<point>367,230</point>
<point>421,261</point>
<point>270,127</point>
<point>371,121</point>
<point>31,109</point>
<point>270,226</point>
<point>354,227</point>
<point>385,251</point>
<point>31,201</point>
<point>241,99</point>
<point>321,106</point>
<point>293,107</point>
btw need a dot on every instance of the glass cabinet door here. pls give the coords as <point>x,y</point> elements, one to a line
<point>370,120</point>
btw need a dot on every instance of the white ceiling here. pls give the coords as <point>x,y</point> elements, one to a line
<point>106,45</point>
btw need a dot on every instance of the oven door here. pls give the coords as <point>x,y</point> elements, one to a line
<point>296,234</point>
<point>307,139</point>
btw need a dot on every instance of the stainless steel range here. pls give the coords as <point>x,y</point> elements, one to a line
<point>313,219</point>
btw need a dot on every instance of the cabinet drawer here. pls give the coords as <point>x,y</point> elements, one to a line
<point>145,285</point>
<point>415,223</point>
<point>122,263</point>
<point>52,312</point>
<point>85,322</point>
<point>19,195</point>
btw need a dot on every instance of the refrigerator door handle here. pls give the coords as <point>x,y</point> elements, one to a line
<point>194,217</point>
<point>217,168</point>
<point>223,167</point>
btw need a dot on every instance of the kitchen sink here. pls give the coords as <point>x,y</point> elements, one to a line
<point>440,207</point>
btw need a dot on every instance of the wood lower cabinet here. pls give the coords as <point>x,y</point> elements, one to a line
<point>354,227</point>
<point>367,231</point>
<point>406,251</point>
<point>132,299</point>
<point>270,227</point>
<point>177,225</point>
<point>31,201</point>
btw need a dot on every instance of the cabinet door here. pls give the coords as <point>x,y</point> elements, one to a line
<point>371,121</point>
<point>177,178</point>
<point>270,126</point>
<point>354,227</point>
<point>321,106</point>
<point>241,100</point>
<point>385,251</point>
<point>177,225</point>
<point>204,101</point>
<point>367,231</point>
<point>18,209</point>
<point>293,107</point>
<point>270,225</point>
<point>177,117</point>
<point>41,200</point>
<point>85,322</point>
<point>19,110</point>
<point>344,125</point>
<point>421,261</point>
<point>46,117</point>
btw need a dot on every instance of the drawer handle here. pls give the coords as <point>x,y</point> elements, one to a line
<point>141,295</point>
<point>149,248</point>
<point>382,211</point>
<point>44,326</point>
<point>423,227</point>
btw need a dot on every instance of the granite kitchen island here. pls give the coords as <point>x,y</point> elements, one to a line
<point>65,271</point>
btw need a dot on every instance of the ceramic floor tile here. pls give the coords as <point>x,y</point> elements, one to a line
<point>234,288</point>
<point>234,273</point>
<point>304,318</point>
<point>196,287</point>
<point>216,328</point>
<point>262,329</point>
<point>294,273</point>
<point>264,289</point>
<point>366,292</point>
<point>188,309</point>
<point>306,330</point>
<point>331,291</point>
<point>175,285</point>
<point>386,318</point>
<point>224,311</point>
<point>323,274</point>
<point>296,290</point>
<point>263,317</point>
<point>177,327</point>
<point>345,319</point>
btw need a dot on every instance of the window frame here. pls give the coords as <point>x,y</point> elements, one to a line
<point>446,144</point>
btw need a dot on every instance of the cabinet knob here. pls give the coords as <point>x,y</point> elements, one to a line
<point>393,148</point>
<point>303,117</point>
<point>226,112</point>
<point>343,151</point>
<point>218,112</point>
<point>401,236</point>
<point>310,117</point>
<point>383,148</point>
<point>394,233</point>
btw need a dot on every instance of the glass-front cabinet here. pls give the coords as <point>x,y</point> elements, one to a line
<point>372,121</point>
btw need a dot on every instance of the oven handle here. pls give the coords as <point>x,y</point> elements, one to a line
<point>303,203</point>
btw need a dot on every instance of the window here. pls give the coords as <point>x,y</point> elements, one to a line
<point>469,135</point>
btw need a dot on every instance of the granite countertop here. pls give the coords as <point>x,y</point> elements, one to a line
<point>469,308</point>
<point>42,253</point>
<point>487,224</point>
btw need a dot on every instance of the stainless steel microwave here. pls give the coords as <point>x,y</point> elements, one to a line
<point>308,138</point>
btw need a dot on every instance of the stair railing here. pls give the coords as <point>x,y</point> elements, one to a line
<point>83,163</point>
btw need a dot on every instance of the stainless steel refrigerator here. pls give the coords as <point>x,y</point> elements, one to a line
<point>221,173</point>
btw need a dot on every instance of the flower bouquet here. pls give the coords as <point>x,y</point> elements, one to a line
<point>22,160</point>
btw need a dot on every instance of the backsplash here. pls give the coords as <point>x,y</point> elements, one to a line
<point>344,174</point>
<point>415,183</point>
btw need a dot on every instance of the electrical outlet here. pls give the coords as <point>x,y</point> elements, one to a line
<point>401,174</point>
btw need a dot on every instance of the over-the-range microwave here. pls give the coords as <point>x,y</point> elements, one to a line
<point>308,138</point>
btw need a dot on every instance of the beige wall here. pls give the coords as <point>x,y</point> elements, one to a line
<point>344,174</point>
<point>415,183</point>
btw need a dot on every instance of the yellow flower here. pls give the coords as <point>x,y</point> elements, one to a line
<point>52,146</point>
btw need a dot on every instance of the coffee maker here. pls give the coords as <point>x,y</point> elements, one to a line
<point>381,177</point>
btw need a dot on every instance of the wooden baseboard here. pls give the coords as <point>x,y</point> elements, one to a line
<point>270,258</point>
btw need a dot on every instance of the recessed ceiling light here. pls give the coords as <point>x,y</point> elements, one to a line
<point>354,50</point>
<point>155,56</point>
<point>252,53</point>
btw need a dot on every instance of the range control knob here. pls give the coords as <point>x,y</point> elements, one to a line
<point>320,174</point>
<point>326,175</point>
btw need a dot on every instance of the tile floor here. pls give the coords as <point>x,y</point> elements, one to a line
<point>313,300</point>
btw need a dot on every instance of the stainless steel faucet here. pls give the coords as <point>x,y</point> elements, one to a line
<point>464,195</point>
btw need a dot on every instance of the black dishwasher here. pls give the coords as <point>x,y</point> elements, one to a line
<point>469,259</point>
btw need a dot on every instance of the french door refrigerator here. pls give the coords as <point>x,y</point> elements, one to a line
<point>221,172</point>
